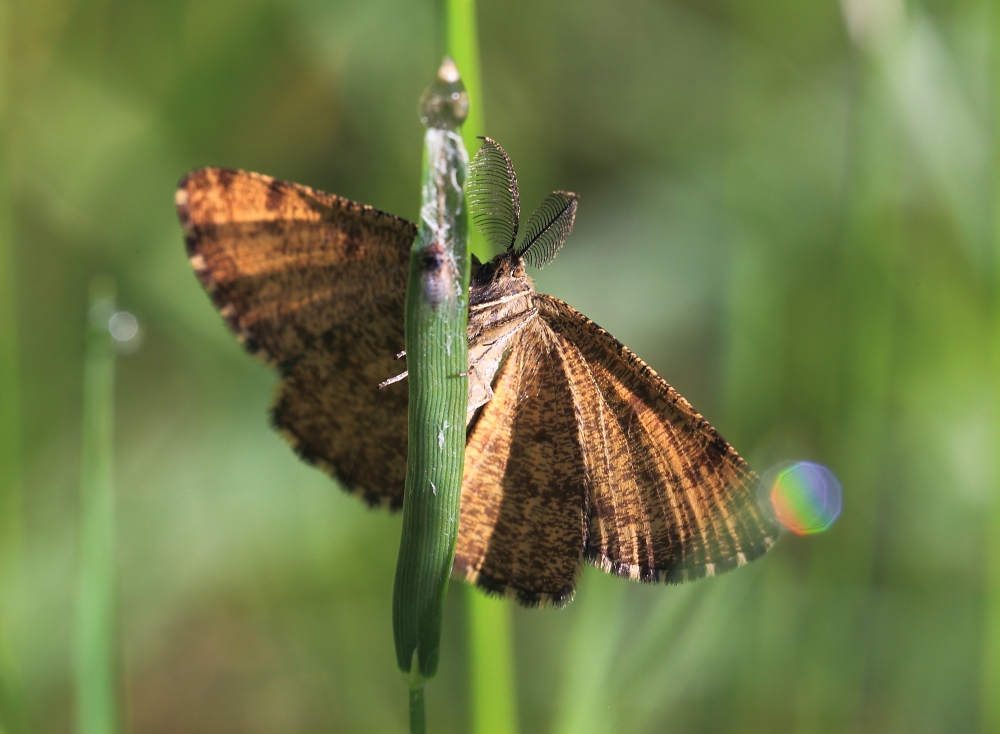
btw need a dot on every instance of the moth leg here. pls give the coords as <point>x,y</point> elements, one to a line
<point>391,380</point>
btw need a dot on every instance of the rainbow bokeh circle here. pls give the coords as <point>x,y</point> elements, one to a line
<point>804,497</point>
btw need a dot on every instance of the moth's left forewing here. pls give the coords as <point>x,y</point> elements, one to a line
<point>669,500</point>
<point>523,518</point>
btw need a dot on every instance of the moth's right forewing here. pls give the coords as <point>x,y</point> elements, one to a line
<point>315,284</point>
<point>285,263</point>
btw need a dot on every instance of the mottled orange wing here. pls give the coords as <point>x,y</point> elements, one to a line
<point>285,263</point>
<point>584,452</point>
<point>522,523</point>
<point>314,284</point>
<point>668,499</point>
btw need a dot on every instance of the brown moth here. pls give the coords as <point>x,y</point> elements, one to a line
<point>576,449</point>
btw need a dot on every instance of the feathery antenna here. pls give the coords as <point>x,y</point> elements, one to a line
<point>492,195</point>
<point>548,228</point>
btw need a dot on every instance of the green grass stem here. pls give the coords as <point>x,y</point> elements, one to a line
<point>583,705</point>
<point>491,663</point>
<point>418,716</point>
<point>437,360</point>
<point>96,669</point>
<point>462,44</point>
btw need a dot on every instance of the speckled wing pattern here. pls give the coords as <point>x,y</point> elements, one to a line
<point>586,453</point>
<point>313,284</point>
<point>522,522</point>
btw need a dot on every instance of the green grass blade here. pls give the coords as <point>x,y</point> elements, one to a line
<point>96,648</point>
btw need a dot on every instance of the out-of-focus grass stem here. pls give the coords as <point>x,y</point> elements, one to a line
<point>491,663</point>
<point>462,44</point>
<point>491,656</point>
<point>12,715</point>
<point>96,658</point>
<point>584,706</point>
<point>990,684</point>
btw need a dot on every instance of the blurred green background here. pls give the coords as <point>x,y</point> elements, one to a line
<point>786,209</point>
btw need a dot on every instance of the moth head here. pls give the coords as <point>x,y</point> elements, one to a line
<point>496,209</point>
<point>498,272</point>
